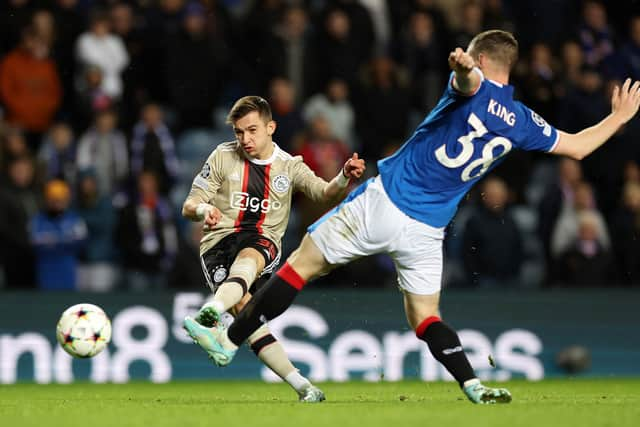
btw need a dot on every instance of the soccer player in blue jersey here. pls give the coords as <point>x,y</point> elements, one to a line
<point>404,210</point>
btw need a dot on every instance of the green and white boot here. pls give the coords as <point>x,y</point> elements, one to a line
<point>478,393</point>
<point>311,394</point>
<point>212,340</point>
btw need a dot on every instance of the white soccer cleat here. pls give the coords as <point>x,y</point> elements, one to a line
<point>478,393</point>
<point>311,394</point>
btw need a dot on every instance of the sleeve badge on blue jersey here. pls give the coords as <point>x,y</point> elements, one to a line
<point>542,123</point>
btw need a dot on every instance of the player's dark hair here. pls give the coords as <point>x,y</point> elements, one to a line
<point>498,45</point>
<point>248,104</point>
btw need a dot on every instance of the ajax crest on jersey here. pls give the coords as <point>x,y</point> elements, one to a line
<point>83,330</point>
<point>280,183</point>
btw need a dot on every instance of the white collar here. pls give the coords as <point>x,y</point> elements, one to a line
<point>268,161</point>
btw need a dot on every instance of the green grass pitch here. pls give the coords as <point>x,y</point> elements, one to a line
<point>566,403</point>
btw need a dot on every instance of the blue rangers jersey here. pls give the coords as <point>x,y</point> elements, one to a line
<point>463,138</point>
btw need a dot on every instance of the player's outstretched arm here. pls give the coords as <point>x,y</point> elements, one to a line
<point>353,168</point>
<point>624,105</point>
<point>465,80</point>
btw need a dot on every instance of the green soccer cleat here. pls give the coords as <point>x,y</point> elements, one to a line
<point>478,393</point>
<point>311,394</point>
<point>208,316</point>
<point>209,340</point>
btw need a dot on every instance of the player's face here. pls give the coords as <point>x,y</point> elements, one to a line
<point>254,135</point>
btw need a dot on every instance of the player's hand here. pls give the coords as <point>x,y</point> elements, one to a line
<point>626,100</point>
<point>212,217</point>
<point>460,61</point>
<point>354,167</point>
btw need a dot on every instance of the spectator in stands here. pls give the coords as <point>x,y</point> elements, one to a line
<point>97,271</point>
<point>103,149</point>
<point>571,67</point>
<point>337,49</point>
<point>18,204</point>
<point>419,48</point>
<point>565,230</point>
<point>153,148</point>
<point>382,109</point>
<point>584,103</point>
<point>625,229</point>
<point>290,53</point>
<point>69,24</point>
<point>14,17</point>
<point>30,87</point>
<point>196,69</point>
<point>125,25</point>
<point>496,15</point>
<point>492,243</point>
<point>13,146</point>
<point>286,114</point>
<point>586,261</point>
<point>333,104</point>
<point>324,154</point>
<point>559,194</point>
<point>187,268</point>
<point>57,155</point>
<point>596,36</point>
<point>101,48</point>
<point>146,237</point>
<point>360,23</point>
<point>57,236</point>
<point>630,52</point>
<point>470,23</point>
<point>541,81</point>
<point>90,96</point>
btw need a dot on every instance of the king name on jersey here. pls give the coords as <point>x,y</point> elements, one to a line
<point>498,110</point>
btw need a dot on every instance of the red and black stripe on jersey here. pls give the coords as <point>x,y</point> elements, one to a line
<point>255,187</point>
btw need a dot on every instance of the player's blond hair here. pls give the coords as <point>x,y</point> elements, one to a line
<point>248,104</point>
<point>498,45</point>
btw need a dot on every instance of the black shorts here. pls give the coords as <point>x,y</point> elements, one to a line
<point>217,261</point>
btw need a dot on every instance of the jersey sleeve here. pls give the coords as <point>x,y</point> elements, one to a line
<point>535,134</point>
<point>206,184</point>
<point>305,180</point>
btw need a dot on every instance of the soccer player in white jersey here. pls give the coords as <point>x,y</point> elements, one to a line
<point>243,195</point>
<point>403,211</point>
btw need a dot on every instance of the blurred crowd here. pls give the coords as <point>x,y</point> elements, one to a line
<point>110,107</point>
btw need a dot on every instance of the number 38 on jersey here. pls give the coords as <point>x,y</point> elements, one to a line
<point>480,165</point>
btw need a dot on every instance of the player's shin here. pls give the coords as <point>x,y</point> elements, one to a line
<point>446,348</point>
<point>269,302</point>
<point>272,354</point>
<point>241,274</point>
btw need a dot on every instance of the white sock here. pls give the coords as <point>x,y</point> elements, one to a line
<point>297,381</point>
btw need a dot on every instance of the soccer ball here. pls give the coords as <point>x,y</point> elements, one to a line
<point>83,330</point>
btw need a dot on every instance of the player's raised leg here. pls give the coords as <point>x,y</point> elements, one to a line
<point>423,316</point>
